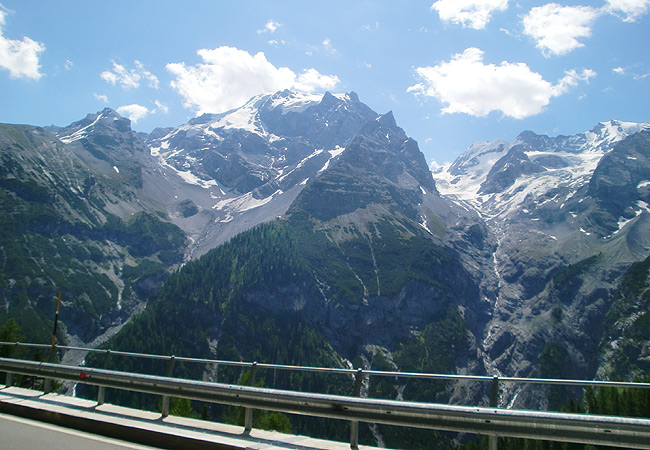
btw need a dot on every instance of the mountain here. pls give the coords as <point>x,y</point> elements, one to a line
<point>362,269</point>
<point>252,162</point>
<point>307,229</point>
<point>570,217</point>
<point>368,237</point>
<point>74,219</point>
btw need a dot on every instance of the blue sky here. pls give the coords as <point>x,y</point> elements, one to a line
<point>452,71</point>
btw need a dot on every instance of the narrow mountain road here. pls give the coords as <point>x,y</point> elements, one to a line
<point>24,434</point>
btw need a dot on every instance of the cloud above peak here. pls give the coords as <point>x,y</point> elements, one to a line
<point>467,85</point>
<point>631,10</point>
<point>556,28</point>
<point>270,27</point>
<point>468,13</point>
<point>134,112</point>
<point>129,79</point>
<point>19,57</point>
<point>228,77</point>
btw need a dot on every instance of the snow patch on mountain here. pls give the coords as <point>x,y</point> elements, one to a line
<point>190,178</point>
<point>569,163</point>
<point>463,178</point>
<point>643,205</point>
<point>243,203</point>
<point>622,221</point>
<point>423,224</point>
<point>80,133</point>
<point>333,154</point>
<point>244,118</point>
<point>294,101</point>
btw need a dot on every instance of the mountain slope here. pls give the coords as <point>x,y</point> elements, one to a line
<point>357,246</point>
<point>570,217</point>
<point>363,262</point>
<point>73,222</point>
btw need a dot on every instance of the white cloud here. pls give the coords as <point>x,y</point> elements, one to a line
<point>68,64</point>
<point>160,107</point>
<point>134,112</point>
<point>270,27</point>
<point>632,71</point>
<point>467,85</point>
<point>557,28</point>
<point>101,97</point>
<point>311,80</point>
<point>327,45</point>
<point>129,79</point>
<point>571,79</point>
<point>19,57</point>
<point>630,9</point>
<point>469,13</point>
<point>229,77</point>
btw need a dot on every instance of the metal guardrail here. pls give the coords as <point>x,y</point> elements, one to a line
<point>491,421</point>
<point>350,372</point>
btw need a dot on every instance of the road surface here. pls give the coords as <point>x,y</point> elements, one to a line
<point>17,433</point>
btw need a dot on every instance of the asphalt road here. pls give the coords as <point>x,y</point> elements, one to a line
<point>23,434</point>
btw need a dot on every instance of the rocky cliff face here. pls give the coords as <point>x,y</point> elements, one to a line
<point>570,218</point>
<point>252,162</point>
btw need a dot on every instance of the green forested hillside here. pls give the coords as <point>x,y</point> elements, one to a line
<point>287,292</point>
<point>628,322</point>
<point>57,234</point>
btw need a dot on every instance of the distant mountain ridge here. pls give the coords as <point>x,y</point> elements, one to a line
<point>493,167</point>
<point>364,262</point>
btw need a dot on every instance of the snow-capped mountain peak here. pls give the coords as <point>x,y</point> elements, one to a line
<point>295,101</point>
<point>496,177</point>
<point>258,156</point>
<point>80,129</point>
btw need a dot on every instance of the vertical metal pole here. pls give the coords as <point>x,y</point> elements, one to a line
<point>354,424</point>
<point>47,385</point>
<point>165,399</point>
<point>494,403</point>
<point>56,321</point>
<point>248,412</point>
<point>101,392</point>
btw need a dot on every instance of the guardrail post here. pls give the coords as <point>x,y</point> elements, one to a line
<point>101,392</point>
<point>12,354</point>
<point>494,403</point>
<point>248,412</point>
<point>47,383</point>
<point>165,399</point>
<point>354,424</point>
